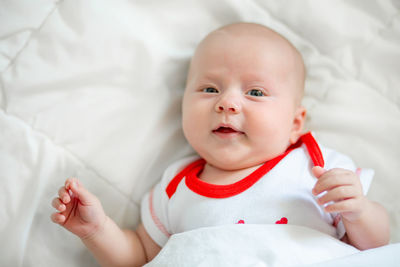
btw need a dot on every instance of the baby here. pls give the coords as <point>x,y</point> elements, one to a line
<point>242,114</point>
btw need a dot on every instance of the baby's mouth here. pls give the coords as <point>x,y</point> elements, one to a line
<point>226,132</point>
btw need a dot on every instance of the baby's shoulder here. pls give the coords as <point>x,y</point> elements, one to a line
<point>336,159</point>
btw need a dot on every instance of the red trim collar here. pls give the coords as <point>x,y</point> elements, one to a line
<point>313,149</point>
<point>223,191</point>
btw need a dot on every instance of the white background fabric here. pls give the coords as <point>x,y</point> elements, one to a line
<point>93,88</point>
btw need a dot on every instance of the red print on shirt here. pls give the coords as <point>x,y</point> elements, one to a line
<point>283,220</point>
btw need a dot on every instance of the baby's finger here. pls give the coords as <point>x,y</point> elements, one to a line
<point>330,181</point>
<point>57,204</point>
<point>337,194</point>
<point>317,171</point>
<point>64,195</point>
<point>58,218</point>
<point>68,182</point>
<point>79,191</point>
<point>349,205</point>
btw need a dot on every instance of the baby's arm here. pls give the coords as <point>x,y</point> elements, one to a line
<point>115,247</point>
<point>81,213</point>
<point>366,222</point>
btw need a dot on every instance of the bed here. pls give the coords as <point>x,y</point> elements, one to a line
<point>92,89</point>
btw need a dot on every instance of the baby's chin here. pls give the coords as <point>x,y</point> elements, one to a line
<point>231,164</point>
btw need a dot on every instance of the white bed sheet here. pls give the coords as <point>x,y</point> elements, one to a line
<point>93,88</point>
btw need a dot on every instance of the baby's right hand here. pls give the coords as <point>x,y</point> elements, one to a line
<point>79,211</point>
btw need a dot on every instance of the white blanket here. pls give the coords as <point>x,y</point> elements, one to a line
<point>251,245</point>
<point>267,246</point>
<point>93,88</point>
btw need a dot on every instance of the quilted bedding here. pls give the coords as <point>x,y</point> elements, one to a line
<point>92,89</point>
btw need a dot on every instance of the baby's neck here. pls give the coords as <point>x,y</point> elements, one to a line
<point>214,175</point>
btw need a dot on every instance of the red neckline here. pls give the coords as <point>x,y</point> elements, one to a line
<point>200,187</point>
<point>223,191</point>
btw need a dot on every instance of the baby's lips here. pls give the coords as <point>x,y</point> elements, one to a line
<point>226,127</point>
<point>225,130</point>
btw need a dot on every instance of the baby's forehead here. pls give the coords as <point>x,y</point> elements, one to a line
<point>245,40</point>
<point>250,38</point>
<point>248,29</point>
<point>247,37</point>
<point>240,31</point>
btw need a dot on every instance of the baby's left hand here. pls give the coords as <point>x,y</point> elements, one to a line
<point>343,187</point>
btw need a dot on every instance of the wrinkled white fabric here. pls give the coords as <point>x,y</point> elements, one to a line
<point>268,246</point>
<point>93,88</point>
<point>251,245</point>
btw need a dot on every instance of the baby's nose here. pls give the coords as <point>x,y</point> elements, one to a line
<point>228,104</point>
<point>231,108</point>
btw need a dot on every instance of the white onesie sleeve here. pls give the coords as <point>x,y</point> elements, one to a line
<point>154,214</point>
<point>154,206</point>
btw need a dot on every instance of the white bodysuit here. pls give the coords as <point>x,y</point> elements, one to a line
<point>277,192</point>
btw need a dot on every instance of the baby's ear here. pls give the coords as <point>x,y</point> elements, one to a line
<point>298,124</point>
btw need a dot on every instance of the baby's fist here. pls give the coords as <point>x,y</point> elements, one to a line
<point>343,192</point>
<point>79,211</point>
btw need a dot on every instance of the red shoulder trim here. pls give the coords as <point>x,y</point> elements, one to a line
<point>173,185</point>
<point>313,149</point>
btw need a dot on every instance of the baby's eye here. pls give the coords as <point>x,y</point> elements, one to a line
<point>210,90</point>
<point>256,92</point>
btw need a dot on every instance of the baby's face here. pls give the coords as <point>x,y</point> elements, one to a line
<point>240,106</point>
